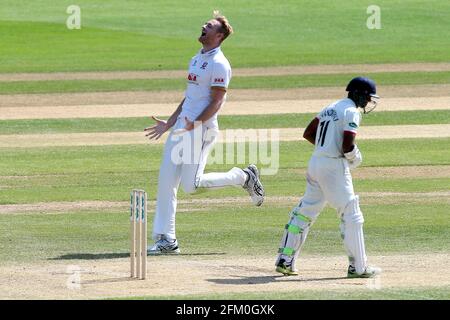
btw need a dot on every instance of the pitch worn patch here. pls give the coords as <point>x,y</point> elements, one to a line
<point>430,172</point>
<point>242,107</point>
<point>238,72</point>
<point>283,134</point>
<point>192,273</point>
<point>190,205</point>
<point>293,95</point>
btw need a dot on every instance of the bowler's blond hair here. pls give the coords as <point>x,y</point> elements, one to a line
<point>225,26</point>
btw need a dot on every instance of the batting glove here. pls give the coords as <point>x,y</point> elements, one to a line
<point>354,157</point>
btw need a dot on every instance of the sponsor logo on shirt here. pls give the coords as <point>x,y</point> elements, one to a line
<point>192,78</point>
<point>219,80</point>
<point>353,125</point>
<point>204,65</point>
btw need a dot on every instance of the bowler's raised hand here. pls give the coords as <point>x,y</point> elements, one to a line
<point>157,130</point>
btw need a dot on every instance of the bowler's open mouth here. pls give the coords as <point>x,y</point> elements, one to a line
<point>203,32</point>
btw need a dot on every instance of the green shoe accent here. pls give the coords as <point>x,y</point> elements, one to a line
<point>368,273</point>
<point>364,275</point>
<point>286,271</point>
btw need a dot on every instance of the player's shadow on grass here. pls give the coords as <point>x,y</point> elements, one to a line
<point>239,280</point>
<point>91,256</point>
<point>199,254</point>
<point>109,280</point>
<point>100,256</point>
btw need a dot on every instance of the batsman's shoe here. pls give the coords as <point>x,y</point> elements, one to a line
<point>369,272</point>
<point>253,185</point>
<point>286,268</point>
<point>164,246</point>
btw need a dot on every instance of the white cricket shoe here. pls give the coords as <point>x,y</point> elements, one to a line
<point>369,272</point>
<point>253,185</point>
<point>163,246</point>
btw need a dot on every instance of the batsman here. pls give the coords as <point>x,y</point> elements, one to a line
<point>328,180</point>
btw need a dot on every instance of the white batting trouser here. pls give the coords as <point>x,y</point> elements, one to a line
<point>328,181</point>
<point>183,162</point>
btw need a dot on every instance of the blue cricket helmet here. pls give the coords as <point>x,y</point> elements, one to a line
<point>362,91</point>
<point>363,86</point>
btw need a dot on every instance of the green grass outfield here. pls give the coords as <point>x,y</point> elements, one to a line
<point>430,293</point>
<point>109,172</point>
<point>103,234</point>
<point>260,82</point>
<point>161,35</point>
<point>301,120</point>
<point>144,35</point>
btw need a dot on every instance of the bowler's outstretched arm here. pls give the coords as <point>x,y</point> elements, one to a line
<point>161,126</point>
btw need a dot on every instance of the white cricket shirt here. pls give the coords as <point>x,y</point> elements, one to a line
<point>206,70</point>
<point>334,119</point>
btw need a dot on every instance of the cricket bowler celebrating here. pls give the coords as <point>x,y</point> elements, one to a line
<point>195,121</point>
<point>329,180</point>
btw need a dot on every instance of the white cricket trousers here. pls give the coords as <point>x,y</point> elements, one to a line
<point>329,181</point>
<point>183,162</point>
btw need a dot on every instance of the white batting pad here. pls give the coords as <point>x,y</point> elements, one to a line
<point>352,232</point>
